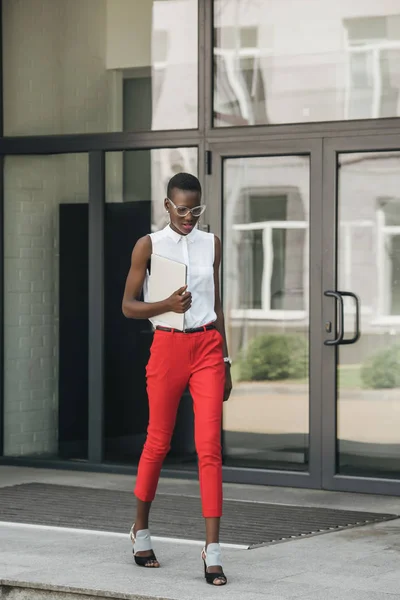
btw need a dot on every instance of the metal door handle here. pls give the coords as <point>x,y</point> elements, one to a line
<point>338,297</point>
<point>357,334</point>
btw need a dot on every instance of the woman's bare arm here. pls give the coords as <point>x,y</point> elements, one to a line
<point>132,307</point>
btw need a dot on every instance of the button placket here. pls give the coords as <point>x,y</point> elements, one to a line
<point>186,261</point>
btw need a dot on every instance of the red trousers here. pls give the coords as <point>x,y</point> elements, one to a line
<point>177,360</point>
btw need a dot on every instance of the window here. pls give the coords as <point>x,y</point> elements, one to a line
<point>373,47</point>
<point>92,66</point>
<point>239,88</point>
<point>388,227</point>
<point>356,246</point>
<point>271,251</point>
<point>282,61</point>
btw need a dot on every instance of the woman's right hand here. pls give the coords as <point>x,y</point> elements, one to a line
<point>180,301</point>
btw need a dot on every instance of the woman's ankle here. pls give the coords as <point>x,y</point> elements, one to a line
<point>140,525</point>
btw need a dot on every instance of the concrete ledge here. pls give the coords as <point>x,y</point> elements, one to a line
<point>20,590</point>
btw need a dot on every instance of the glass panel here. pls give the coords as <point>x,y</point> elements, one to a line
<point>265,290</point>
<point>136,188</point>
<point>279,61</point>
<point>46,305</point>
<point>90,66</point>
<point>368,402</point>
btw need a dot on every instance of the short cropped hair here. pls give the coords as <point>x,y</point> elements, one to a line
<point>185,182</point>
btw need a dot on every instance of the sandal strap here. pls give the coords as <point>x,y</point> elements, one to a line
<point>142,561</point>
<point>141,541</point>
<point>213,555</point>
<point>211,577</point>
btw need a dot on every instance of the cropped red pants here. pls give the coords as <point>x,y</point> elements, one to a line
<point>177,360</point>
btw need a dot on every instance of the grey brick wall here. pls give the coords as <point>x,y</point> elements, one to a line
<point>34,188</point>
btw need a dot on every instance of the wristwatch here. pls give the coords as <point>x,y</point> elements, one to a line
<point>227,360</point>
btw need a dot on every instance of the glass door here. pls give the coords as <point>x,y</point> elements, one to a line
<point>361,314</point>
<point>269,221</point>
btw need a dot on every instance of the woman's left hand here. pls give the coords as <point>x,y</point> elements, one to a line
<point>228,382</point>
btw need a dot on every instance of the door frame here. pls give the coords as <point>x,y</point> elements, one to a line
<point>332,147</point>
<point>214,191</point>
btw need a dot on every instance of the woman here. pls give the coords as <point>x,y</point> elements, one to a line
<point>197,357</point>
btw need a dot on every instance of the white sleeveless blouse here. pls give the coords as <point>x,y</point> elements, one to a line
<point>196,250</point>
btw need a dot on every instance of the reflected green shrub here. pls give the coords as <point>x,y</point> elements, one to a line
<point>382,371</point>
<point>273,357</point>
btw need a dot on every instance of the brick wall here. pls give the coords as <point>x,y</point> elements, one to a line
<point>34,188</point>
<point>55,81</point>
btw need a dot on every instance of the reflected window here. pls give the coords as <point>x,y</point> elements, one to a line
<point>265,283</point>
<point>271,248</point>
<point>240,96</point>
<point>279,61</point>
<point>388,216</point>
<point>368,374</point>
<point>373,46</point>
<point>368,233</point>
<point>356,244</point>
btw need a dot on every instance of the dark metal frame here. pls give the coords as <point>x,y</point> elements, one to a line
<point>2,290</point>
<point>97,183</point>
<point>240,141</point>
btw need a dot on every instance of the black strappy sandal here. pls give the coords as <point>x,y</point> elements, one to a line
<point>212,558</point>
<point>142,543</point>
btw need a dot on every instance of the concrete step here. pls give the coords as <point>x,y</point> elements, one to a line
<point>20,590</point>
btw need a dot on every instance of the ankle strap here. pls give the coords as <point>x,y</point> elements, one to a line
<point>142,541</point>
<point>213,555</point>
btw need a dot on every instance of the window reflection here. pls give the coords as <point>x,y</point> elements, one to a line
<point>266,208</point>
<point>373,56</point>
<point>163,56</point>
<point>279,61</point>
<point>91,66</point>
<point>369,265</point>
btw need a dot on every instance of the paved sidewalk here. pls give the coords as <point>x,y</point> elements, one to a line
<point>356,564</point>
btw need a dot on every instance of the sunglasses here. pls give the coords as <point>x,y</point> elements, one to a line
<point>183,211</point>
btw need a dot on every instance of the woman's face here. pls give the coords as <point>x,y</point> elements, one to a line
<point>180,203</point>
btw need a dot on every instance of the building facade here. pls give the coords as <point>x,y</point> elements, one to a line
<point>288,112</point>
